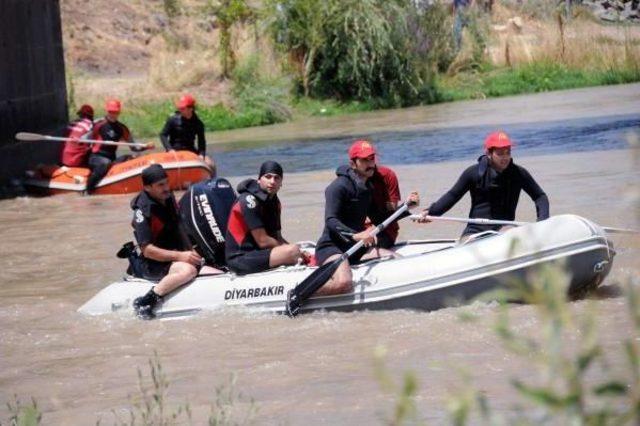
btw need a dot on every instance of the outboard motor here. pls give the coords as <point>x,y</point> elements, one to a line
<point>204,210</point>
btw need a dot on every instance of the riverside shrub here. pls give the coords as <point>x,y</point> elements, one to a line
<point>374,51</point>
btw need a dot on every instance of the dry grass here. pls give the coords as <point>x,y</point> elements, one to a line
<point>580,42</point>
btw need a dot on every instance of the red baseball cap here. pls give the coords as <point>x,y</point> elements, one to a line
<point>113,105</point>
<point>361,149</point>
<point>497,140</point>
<point>186,101</point>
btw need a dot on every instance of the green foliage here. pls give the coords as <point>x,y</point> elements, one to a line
<point>225,409</point>
<point>228,13</point>
<point>364,50</point>
<point>152,408</point>
<point>146,120</point>
<point>262,97</point>
<point>433,41</point>
<point>529,78</point>
<point>565,391</point>
<point>326,107</point>
<point>23,415</point>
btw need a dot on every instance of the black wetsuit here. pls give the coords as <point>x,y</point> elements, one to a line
<point>494,195</point>
<point>348,202</point>
<point>180,133</point>
<point>157,224</point>
<point>254,209</point>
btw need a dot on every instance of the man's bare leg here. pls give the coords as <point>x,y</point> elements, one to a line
<point>341,280</point>
<point>179,274</point>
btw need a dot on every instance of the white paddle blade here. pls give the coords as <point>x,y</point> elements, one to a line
<point>26,136</point>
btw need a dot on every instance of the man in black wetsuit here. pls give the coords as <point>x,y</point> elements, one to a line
<point>348,202</point>
<point>495,184</point>
<point>254,241</point>
<point>182,128</point>
<point>166,255</point>
<point>104,156</point>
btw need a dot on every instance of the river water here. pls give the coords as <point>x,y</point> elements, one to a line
<point>57,252</point>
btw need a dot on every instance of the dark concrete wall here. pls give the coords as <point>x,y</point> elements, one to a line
<point>32,82</point>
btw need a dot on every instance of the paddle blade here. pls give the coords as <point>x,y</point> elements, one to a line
<point>26,136</point>
<point>298,295</point>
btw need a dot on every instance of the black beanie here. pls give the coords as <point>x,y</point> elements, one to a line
<point>153,174</point>
<point>270,167</point>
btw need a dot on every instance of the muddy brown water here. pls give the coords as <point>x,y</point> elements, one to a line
<point>57,252</point>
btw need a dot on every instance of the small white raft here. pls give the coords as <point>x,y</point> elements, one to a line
<point>431,274</point>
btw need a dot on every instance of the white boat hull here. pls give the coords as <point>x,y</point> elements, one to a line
<point>429,276</point>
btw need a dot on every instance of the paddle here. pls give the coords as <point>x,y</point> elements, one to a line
<point>481,221</point>
<point>26,136</point>
<point>298,295</point>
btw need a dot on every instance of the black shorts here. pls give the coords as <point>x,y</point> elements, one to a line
<point>250,262</point>
<point>151,270</point>
<point>325,252</point>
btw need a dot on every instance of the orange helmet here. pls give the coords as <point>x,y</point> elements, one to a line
<point>186,101</point>
<point>497,140</point>
<point>113,105</point>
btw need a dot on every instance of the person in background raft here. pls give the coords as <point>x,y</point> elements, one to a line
<point>74,153</point>
<point>103,156</point>
<point>495,184</point>
<point>254,241</point>
<point>166,255</point>
<point>182,128</point>
<point>348,203</point>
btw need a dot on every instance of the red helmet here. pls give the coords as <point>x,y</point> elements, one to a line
<point>86,110</point>
<point>361,149</point>
<point>186,101</point>
<point>113,105</point>
<point>497,140</point>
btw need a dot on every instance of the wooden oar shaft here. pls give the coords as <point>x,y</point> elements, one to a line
<point>35,136</point>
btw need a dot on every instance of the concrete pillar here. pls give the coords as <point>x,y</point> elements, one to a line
<point>32,82</point>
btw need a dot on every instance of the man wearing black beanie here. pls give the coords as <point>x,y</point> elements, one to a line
<point>254,241</point>
<point>166,253</point>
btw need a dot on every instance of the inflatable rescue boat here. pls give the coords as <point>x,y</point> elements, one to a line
<point>431,274</point>
<point>183,167</point>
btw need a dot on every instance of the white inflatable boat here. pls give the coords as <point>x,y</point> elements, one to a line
<point>431,274</point>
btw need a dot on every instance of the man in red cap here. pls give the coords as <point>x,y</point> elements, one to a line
<point>495,184</point>
<point>74,153</point>
<point>183,127</point>
<point>103,156</point>
<point>349,201</point>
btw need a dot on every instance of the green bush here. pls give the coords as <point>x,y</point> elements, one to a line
<point>374,51</point>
